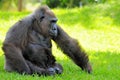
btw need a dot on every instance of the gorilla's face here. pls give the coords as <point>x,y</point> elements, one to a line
<point>47,22</point>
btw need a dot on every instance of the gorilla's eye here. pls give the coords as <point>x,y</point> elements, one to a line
<point>53,20</point>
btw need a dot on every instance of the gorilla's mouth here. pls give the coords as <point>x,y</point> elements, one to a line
<point>53,33</point>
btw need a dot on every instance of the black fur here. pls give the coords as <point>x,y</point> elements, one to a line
<point>27,46</point>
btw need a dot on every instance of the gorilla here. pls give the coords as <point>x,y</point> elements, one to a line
<point>28,48</point>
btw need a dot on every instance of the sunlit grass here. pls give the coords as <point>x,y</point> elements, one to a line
<point>97,29</point>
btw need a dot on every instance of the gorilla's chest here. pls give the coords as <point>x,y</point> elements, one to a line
<point>37,38</point>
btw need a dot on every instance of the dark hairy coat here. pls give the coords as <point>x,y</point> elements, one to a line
<point>27,46</point>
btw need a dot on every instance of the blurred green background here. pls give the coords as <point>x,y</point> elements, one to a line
<point>30,4</point>
<point>94,23</point>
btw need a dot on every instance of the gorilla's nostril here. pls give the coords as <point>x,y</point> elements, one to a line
<point>54,29</point>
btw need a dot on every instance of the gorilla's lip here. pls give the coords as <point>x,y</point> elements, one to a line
<point>52,33</point>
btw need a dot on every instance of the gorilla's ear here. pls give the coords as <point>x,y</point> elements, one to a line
<point>39,13</point>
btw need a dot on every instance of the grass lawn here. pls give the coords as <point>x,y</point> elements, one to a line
<point>96,27</point>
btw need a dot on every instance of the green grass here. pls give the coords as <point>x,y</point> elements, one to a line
<point>96,27</point>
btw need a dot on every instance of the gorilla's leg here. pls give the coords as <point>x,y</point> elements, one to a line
<point>14,61</point>
<point>38,70</point>
<point>58,68</point>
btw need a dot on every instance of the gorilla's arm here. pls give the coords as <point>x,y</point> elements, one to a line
<point>71,48</point>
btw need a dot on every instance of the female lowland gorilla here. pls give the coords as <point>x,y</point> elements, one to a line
<point>27,46</point>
